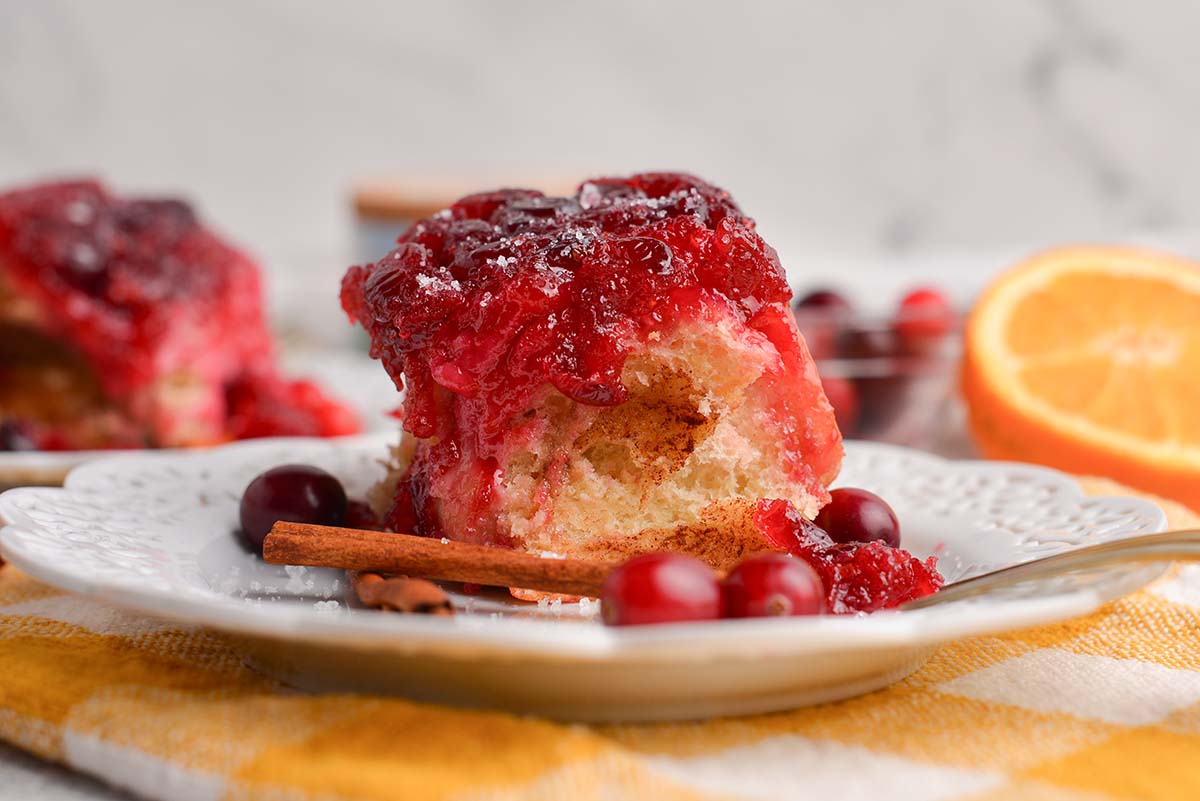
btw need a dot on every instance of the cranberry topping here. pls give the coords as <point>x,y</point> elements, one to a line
<point>660,588</point>
<point>141,289</point>
<point>259,405</point>
<point>119,271</point>
<point>858,577</point>
<point>482,308</point>
<point>509,290</point>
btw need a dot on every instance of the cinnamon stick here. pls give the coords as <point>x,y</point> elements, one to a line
<point>387,553</point>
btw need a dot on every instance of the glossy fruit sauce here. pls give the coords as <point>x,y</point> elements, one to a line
<point>858,576</point>
<point>143,291</point>
<point>483,306</point>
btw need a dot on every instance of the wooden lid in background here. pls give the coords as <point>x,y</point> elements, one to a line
<point>413,198</point>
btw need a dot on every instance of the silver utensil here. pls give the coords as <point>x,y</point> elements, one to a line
<point>1165,547</point>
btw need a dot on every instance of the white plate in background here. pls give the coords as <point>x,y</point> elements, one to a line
<point>350,376</point>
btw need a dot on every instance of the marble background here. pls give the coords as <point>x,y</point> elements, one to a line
<point>878,142</point>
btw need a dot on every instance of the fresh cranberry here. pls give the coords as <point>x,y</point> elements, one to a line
<point>856,515</point>
<point>660,588</point>
<point>15,436</point>
<point>882,400</point>
<point>820,315</point>
<point>924,314</point>
<point>869,343</point>
<point>880,383</point>
<point>360,515</point>
<point>843,397</point>
<point>295,493</point>
<point>823,299</point>
<point>772,585</point>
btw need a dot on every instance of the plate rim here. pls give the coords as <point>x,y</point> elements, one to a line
<point>318,363</point>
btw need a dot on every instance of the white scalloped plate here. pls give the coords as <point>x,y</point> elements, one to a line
<point>153,532</point>
<point>350,376</point>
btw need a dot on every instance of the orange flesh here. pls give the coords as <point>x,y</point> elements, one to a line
<point>1089,360</point>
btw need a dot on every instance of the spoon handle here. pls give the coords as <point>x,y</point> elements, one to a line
<point>1165,547</point>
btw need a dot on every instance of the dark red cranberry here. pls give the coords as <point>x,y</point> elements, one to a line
<point>881,401</point>
<point>869,343</point>
<point>660,588</point>
<point>820,315</point>
<point>924,314</point>
<point>361,515</point>
<point>843,397</point>
<point>295,493</point>
<point>880,383</point>
<point>856,515</point>
<point>823,299</point>
<point>772,585</point>
<point>16,436</point>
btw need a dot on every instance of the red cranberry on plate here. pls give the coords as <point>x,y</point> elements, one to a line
<point>856,515</point>
<point>660,588</point>
<point>772,585</point>
<point>359,514</point>
<point>295,493</point>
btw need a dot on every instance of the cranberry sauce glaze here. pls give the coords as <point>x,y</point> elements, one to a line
<point>483,306</point>
<point>144,292</point>
<point>857,576</point>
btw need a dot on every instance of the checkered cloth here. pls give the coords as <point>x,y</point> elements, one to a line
<point>1106,707</point>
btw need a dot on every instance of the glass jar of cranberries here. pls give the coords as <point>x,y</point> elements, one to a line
<point>889,376</point>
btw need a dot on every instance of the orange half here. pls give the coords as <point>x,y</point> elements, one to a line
<point>1088,359</point>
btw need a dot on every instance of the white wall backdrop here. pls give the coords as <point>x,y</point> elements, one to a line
<point>858,133</point>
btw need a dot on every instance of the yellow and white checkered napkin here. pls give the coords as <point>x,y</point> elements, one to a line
<point>1106,707</point>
